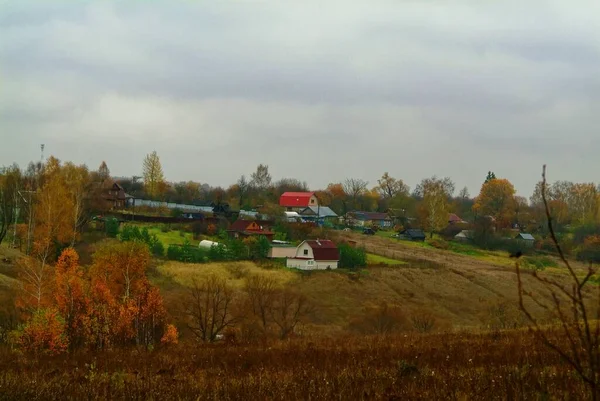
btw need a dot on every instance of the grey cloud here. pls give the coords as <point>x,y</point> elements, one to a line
<point>319,91</point>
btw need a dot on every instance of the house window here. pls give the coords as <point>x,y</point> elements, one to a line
<point>305,252</point>
<point>311,262</point>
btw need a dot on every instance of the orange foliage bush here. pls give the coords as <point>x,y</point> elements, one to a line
<point>171,335</point>
<point>45,333</point>
<point>211,229</point>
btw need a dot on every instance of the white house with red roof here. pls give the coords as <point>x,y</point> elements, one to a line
<point>315,255</point>
<point>297,201</point>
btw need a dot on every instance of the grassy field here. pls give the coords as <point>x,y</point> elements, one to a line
<point>463,295</point>
<point>373,259</point>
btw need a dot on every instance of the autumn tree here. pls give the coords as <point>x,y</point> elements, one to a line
<point>124,307</point>
<point>354,188</point>
<point>54,215</point>
<point>389,186</point>
<point>289,309</point>
<point>53,226</point>
<point>557,198</point>
<point>150,314</point>
<point>435,205</point>
<point>122,267</point>
<point>243,188</point>
<point>44,333</point>
<point>338,198</point>
<point>10,198</point>
<point>70,296</point>
<point>261,290</point>
<point>103,172</point>
<point>584,203</point>
<point>261,178</point>
<point>98,182</point>
<point>187,192</point>
<point>153,175</point>
<point>289,185</point>
<point>490,176</point>
<point>78,183</point>
<point>208,308</point>
<point>496,199</point>
<point>522,211</point>
<point>35,284</point>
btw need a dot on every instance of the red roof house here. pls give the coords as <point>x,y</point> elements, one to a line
<point>298,200</point>
<point>315,254</point>
<point>247,228</point>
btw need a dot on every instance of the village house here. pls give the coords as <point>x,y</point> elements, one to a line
<point>318,213</point>
<point>369,219</point>
<point>297,201</point>
<point>241,229</point>
<point>114,196</point>
<point>315,255</point>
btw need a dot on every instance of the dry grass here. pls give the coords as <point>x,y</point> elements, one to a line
<point>459,366</point>
<point>234,272</point>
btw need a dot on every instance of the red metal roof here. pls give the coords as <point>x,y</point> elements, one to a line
<point>295,199</point>
<point>324,249</point>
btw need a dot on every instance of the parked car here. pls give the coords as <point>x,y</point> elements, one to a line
<point>368,231</point>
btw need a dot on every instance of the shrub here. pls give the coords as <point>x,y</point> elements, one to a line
<point>199,227</point>
<point>44,333</point>
<point>383,319</point>
<point>439,243</point>
<point>258,247</point>
<point>111,225</point>
<point>211,229</point>
<point>176,213</point>
<point>423,322</point>
<point>590,250</point>
<point>351,257</point>
<point>537,262</point>
<point>133,233</point>
<point>581,233</point>
<point>171,335</point>
<point>187,253</point>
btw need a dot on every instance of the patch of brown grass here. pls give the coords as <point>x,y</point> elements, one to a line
<point>504,365</point>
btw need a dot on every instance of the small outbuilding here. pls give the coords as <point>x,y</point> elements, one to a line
<point>412,234</point>
<point>281,251</point>
<point>464,236</point>
<point>526,239</point>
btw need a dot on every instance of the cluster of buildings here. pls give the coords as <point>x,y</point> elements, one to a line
<point>303,207</point>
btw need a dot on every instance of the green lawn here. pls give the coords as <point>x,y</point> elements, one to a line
<point>385,234</point>
<point>172,237</point>
<point>373,259</point>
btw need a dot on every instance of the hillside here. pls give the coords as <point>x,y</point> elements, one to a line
<point>458,291</point>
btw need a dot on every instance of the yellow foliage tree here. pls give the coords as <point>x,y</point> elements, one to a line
<point>496,199</point>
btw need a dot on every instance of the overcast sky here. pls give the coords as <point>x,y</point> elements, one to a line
<point>319,91</point>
